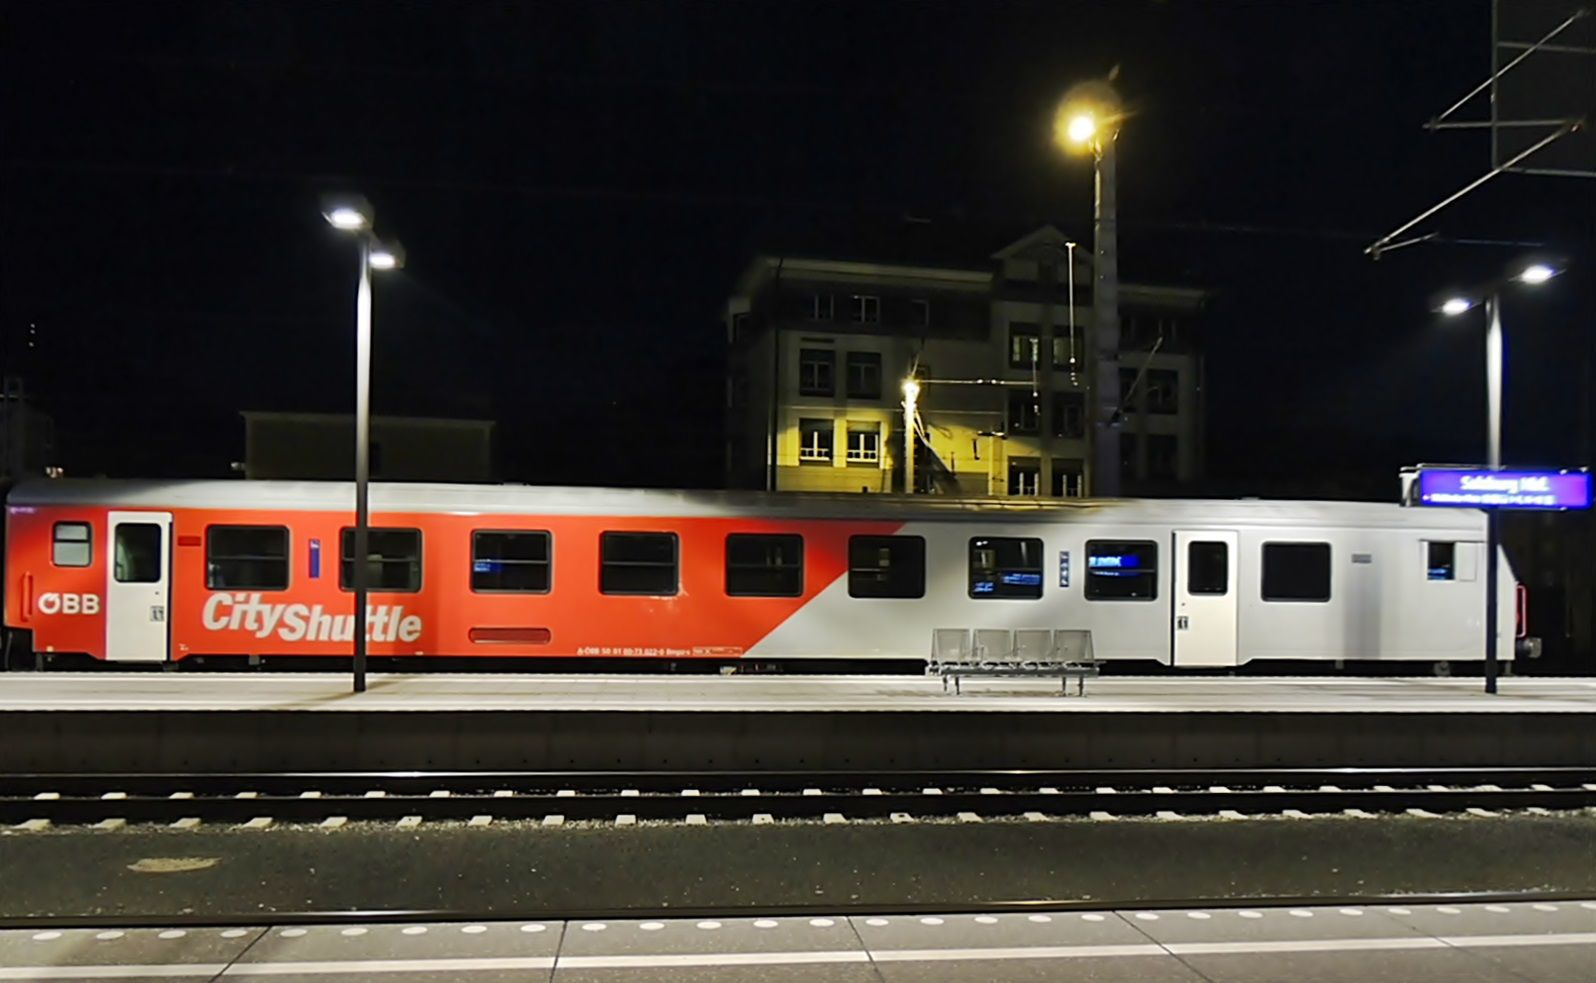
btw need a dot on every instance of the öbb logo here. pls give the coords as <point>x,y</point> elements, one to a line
<point>53,603</point>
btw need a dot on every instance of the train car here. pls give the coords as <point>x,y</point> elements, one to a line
<point>158,572</point>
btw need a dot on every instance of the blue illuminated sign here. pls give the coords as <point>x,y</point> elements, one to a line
<point>1486,489</point>
<point>485,566</point>
<point>1023,579</point>
<point>1129,561</point>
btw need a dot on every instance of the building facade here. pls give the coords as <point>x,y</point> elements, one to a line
<point>998,351</point>
<point>321,447</point>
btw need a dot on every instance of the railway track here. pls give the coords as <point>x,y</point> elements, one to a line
<point>44,799</point>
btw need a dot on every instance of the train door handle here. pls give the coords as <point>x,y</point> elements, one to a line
<point>1182,622</point>
<point>27,597</point>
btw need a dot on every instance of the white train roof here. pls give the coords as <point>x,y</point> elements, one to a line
<point>324,496</point>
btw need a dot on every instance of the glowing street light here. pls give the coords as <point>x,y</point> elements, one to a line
<point>353,214</point>
<point>911,397</point>
<point>1536,273</point>
<point>1087,120</point>
<point>347,213</point>
<point>386,256</point>
<point>1489,295</point>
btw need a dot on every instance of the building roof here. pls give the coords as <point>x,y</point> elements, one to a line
<point>930,245</point>
<point>432,421</point>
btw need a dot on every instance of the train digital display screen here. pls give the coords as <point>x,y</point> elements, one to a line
<point>1126,561</point>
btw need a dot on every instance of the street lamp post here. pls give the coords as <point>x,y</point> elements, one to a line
<point>354,215</point>
<point>1490,297</point>
<point>1088,119</point>
<point>911,396</point>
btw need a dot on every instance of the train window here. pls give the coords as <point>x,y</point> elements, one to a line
<point>393,560</point>
<point>137,553</point>
<point>1296,571</point>
<point>886,566</point>
<point>71,544</point>
<point>510,562</point>
<point>246,557</point>
<point>1121,570</point>
<point>764,566</point>
<point>1207,568</point>
<point>638,563</point>
<point>1441,560</point>
<point>1005,568</point>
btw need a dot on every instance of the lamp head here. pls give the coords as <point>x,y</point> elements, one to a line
<point>1087,117</point>
<point>386,256</point>
<point>346,212</point>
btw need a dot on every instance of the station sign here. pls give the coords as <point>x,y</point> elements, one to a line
<point>1483,488</point>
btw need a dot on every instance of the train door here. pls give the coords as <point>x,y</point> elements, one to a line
<point>138,587</point>
<point>1205,598</point>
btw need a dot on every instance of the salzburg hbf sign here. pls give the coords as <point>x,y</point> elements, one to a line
<point>1485,488</point>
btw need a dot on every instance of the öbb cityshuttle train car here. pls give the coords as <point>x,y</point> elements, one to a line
<point>152,572</point>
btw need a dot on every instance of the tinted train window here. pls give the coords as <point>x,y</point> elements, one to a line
<point>71,545</point>
<point>886,566</point>
<point>510,562</point>
<point>637,563</point>
<point>393,560</point>
<point>764,566</point>
<point>246,557</point>
<point>137,553</point>
<point>1296,571</point>
<point>1441,561</point>
<point>1002,567</point>
<point>1207,568</point>
<point>1121,570</point>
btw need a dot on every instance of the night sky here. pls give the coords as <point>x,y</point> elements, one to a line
<point>578,185</point>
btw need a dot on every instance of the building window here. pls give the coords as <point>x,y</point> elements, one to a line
<point>1163,391</point>
<point>1121,570</point>
<point>72,544</point>
<point>1069,414</point>
<point>764,566</point>
<point>246,557</point>
<point>137,553</point>
<point>864,443</point>
<point>815,440</point>
<point>1006,568</point>
<point>1069,477</point>
<point>1162,456</point>
<point>1296,571</point>
<point>1127,453</point>
<point>638,563</point>
<point>817,369</point>
<point>1441,561</point>
<point>1062,349</point>
<point>1024,344</point>
<point>920,313</point>
<point>866,309</point>
<point>864,375</point>
<point>820,307</point>
<point>886,566</point>
<point>510,562</point>
<point>393,560</point>
<point>1128,389</point>
<point>1022,412</point>
<point>1025,475</point>
<point>1208,568</point>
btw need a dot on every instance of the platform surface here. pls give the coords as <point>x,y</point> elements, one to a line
<point>1474,943</point>
<point>93,691</point>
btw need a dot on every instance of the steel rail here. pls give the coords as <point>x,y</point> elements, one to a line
<point>124,920</point>
<point>796,795</point>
